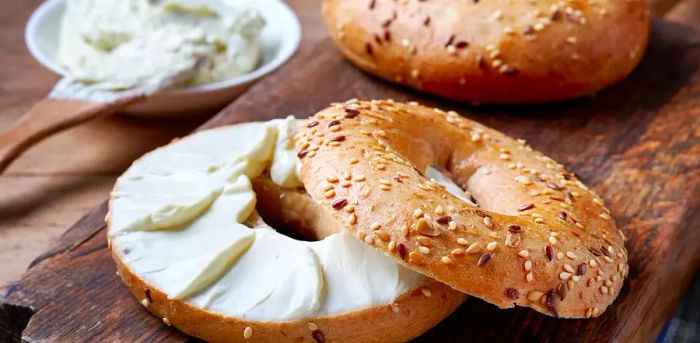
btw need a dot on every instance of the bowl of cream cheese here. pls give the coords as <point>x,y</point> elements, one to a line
<point>116,43</point>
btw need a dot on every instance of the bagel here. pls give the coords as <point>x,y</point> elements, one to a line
<point>187,230</point>
<point>493,51</point>
<point>538,238</point>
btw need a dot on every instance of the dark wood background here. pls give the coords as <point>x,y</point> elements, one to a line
<point>637,144</point>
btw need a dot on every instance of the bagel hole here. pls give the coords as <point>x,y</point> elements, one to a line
<point>448,180</point>
<point>291,212</point>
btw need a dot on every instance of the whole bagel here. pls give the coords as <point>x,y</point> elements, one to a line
<point>538,238</point>
<point>292,211</point>
<point>498,51</point>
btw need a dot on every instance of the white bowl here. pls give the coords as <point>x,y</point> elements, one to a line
<point>280,39</point>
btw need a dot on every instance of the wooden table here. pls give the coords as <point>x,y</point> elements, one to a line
<point>51,186</point>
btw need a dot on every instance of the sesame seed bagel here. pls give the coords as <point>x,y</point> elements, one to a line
<point>223,274</point>
<point>493,51</point>
<point>538,238</point>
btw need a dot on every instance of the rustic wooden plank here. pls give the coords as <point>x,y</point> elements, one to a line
<point>637,144</point>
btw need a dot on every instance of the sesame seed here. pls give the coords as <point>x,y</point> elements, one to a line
<point>446,260</point>
<point>375,226</point>
<point>414,257</point>
<point>452,225</point>
<point>569,268</point>
<point>144,302</point>
<point>247,332</point>
<point>534,296</point>
<point>571,255</point>
<point>603,289</point>
<point>474,248</point>
<point>352,219</point>
<point>564,275</point>
<point>560,255</point>
<point>385,187</point>
<point>329,194</point>
<point>395,308</point>
<point>166,321</point>
<point>552,240</point>
<point>524,254</point>
<point>529,277</point>
<point>491,246</point>
<point>422,240</point>
<point>424,250</point>
<point>312,326</point>
<point>527,265</point>
<point>426,292</point>
<point>488,222</point>
<point>383,235</point>
<point>457,252</point>
<point>524,180</point>
<point>405,231</point>
<point>391,246</point>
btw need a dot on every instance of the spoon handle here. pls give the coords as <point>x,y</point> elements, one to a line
<point>47,117</point>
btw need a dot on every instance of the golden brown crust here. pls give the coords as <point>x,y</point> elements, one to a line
<point>410,315</point>
<point>539,239</point>
<point>499,51</point>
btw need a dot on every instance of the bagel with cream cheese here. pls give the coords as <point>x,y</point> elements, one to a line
<point>188,233</point>
<point>537,237</point>
<point>493,51</point>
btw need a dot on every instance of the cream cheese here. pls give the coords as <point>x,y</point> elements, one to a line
<point>112,45</point>
<point>175,220</point>
<point>286,169</point>
<point>436,175</point>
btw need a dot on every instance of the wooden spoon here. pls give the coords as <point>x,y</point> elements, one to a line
<point>55,113</point>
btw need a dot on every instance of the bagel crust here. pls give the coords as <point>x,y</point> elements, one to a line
<point>408,317</point>
<point>497,51</point>
<point>539,238</point>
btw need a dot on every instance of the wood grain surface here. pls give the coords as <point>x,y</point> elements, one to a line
<point>637,144</point>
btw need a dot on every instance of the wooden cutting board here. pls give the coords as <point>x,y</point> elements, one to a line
<point>637,144</point>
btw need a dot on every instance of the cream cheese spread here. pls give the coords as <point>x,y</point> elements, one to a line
<point>437,176</point>
<point>112,45</point>
<point>175,220</point>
